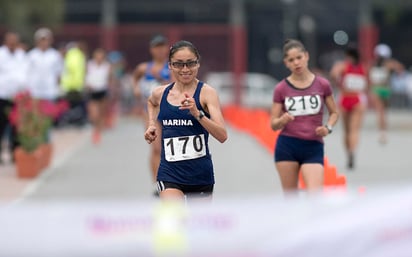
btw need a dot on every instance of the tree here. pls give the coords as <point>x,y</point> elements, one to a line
<point>25,16</point>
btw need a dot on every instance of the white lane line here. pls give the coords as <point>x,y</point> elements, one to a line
<point>57,162</point>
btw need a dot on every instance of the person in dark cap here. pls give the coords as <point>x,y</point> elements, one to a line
<point>146,77</point>
<point>158,40</point>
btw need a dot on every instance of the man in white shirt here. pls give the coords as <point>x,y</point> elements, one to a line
<point>45,67</point>
<point>13,77</point>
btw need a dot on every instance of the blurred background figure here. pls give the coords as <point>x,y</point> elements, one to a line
<point>399,81</point>
<point>129,104</point>
<point>153,73</point>
<point>147,76</point>
<point>380,79</point>
<point>98,80</point>
<point>123,85</point>
<point>351,78</point>
<point>115,98</point>
<point>45,67</point>
<point>13,75</point>
<point>72,83</point>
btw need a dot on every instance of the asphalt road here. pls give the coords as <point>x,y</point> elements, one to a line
<point>118,168</point>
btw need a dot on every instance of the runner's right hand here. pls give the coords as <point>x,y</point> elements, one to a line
<point>286,118</point>
<point>150,135</point>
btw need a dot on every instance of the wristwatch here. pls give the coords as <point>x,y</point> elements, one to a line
<point>329,128</point>
<point>201,115</point>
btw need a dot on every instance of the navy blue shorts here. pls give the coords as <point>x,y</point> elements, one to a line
<point>298,150</point>
<point>189,190</point>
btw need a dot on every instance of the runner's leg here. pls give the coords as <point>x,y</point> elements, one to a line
<point>380,109</point>
<point>171,194</point>
<point>289,174</point>
<point>355,122</point>
<point>312,174</point>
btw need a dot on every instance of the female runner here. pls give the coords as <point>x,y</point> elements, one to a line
<point>297,110</point>
<point>188,111</point>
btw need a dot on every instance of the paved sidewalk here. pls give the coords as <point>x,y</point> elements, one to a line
<point>65,142</point>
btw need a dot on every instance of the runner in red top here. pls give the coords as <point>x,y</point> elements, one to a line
<point>297,110</point>
<point>351,78</point>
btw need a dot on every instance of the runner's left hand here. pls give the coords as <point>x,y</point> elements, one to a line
<point>189,104</point>
<point>322,131</point>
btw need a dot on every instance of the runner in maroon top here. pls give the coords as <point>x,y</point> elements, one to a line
<point>297,110</point>
<point>351,78</point>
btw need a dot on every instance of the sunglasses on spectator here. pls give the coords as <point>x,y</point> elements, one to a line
<point>181,65</point>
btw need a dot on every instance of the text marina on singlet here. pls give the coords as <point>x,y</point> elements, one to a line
<point>177,122</point>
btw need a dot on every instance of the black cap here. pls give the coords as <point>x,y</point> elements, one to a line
<point>158,40</point>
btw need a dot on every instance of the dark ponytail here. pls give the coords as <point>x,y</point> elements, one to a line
<point>352,52</point>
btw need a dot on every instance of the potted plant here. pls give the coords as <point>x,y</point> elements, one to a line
<point>33,119</point>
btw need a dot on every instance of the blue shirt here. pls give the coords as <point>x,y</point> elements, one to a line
<point>164,73</point>
<point>149,81</point>
<point>185,157</point>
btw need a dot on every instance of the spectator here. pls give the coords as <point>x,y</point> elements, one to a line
<point>13,74</point>
<point>45,67</point>
<point>72,82</point>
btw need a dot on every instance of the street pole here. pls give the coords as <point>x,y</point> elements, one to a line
<point>290,14</point>
<point>109,38</point>
<point>238,44</point>
<point>307,26</point>
<point>368,32</point>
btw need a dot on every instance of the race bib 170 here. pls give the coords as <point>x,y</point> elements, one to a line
<point>184,147</point>
<point>303,105</point>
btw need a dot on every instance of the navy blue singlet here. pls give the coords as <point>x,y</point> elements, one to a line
<point>185,157</point>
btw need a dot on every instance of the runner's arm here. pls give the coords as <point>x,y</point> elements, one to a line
<point>153,104</point>
<point>216,124</point>
<point>336,72</point>
<point>137,75</point>
<point>332,109</point>
<point>394,65</point>
<point>279,118</point>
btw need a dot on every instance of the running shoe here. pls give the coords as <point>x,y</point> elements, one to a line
<point>382,138</point>
<point>351,161</point>
<point>96,137</point>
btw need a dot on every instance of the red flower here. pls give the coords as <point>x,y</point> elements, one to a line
<point>48,108</point>
<point>13,116</point>
<point>62,107</point>
<point>33,118</point>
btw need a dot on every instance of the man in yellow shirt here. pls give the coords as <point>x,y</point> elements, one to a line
<point>72,83</point>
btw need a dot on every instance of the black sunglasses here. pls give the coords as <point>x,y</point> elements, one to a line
<point>181,65</point>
